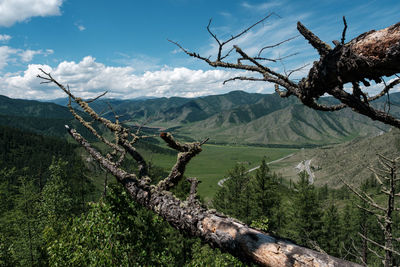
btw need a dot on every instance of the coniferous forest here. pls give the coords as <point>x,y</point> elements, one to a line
<point>52,214</point>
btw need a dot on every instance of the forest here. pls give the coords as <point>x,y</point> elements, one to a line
<point>53,215</point>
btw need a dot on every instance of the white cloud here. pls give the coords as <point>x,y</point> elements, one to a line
<point>13,11</point>
<point>89,78</point>
<point>5,55</point>
<point>28,55</point>
<point>267,6</point>
<point>81,28</point>
<point>13,55</point>
<point>5,38</point>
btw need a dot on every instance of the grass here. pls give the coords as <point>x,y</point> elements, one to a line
<point>213,163</point>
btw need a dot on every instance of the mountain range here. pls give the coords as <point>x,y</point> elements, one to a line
<point>235,117</point>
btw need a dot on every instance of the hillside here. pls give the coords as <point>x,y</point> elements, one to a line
<point>236,117</point>
<point>348,161</point>
<point>38,117</point>
<point>248,118</point>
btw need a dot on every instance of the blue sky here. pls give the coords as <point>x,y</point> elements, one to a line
<point>121,45</point>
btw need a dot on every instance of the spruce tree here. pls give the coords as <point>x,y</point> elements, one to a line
<point>266,199</point>
<point>229,198</point>
<point>307,224</point>
<point>331,230</point>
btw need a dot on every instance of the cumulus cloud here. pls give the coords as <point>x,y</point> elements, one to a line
<point>6,53</point>
<point>89,78</point>
<point>13,11</point>
<point>13,55</point>
<point>28,55</point>
<point>81,28</point>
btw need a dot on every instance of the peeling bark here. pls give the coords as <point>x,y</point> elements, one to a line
<point>368,57</point>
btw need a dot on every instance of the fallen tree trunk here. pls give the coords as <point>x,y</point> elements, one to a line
<point>228,234</point>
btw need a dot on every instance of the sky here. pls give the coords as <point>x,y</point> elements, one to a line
<point>122,47</point>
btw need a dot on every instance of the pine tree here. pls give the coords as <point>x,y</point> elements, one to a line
<point>307,212</point>
<point>266,199</point>
<point>229,198</point>
<point>331,230</point>
<point>56,202</point>
<point>348,232</point>
<point>26,222</point>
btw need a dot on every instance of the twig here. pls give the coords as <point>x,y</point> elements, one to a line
<point>344,30</point>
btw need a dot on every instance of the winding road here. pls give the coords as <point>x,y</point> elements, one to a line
<point>306,167</point>
<point>222,181</point>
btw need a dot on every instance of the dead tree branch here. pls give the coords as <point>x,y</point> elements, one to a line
<point>386,176</point>
<point>370,56</point>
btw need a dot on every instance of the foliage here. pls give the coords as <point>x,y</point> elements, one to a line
<point>307,222</point>
<point>266,197</point>
<point>249,198</point>
<point>116,232</point>
<point>204,255</point>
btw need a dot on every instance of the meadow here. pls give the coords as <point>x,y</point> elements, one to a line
<point>214,162</point>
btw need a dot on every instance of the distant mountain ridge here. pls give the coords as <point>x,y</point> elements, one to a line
<point>35,116</point>
<point>235,117</point>
<point>240,117</point>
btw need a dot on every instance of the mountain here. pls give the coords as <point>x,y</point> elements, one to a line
<point>240,117</point>
<point>35,116</point>
<point>235,117</point>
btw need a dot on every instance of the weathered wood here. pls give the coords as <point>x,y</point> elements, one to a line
<point>368,57</point>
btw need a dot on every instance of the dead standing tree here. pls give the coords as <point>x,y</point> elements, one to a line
<point>370,56</point>
<point>386,177</point>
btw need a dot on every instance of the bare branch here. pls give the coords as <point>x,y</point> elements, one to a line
<point>366,198</point>
<point>97,97</point>
<point>244,78</point>
<point>193,189</point>
<point>313,104</point>
<point>344,30</point>
<point>275,45</point>
<point>379,245</point>
<point>187,152</point>
<point>110,166</point>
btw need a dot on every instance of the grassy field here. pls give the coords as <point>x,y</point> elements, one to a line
<point>213,163</point>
